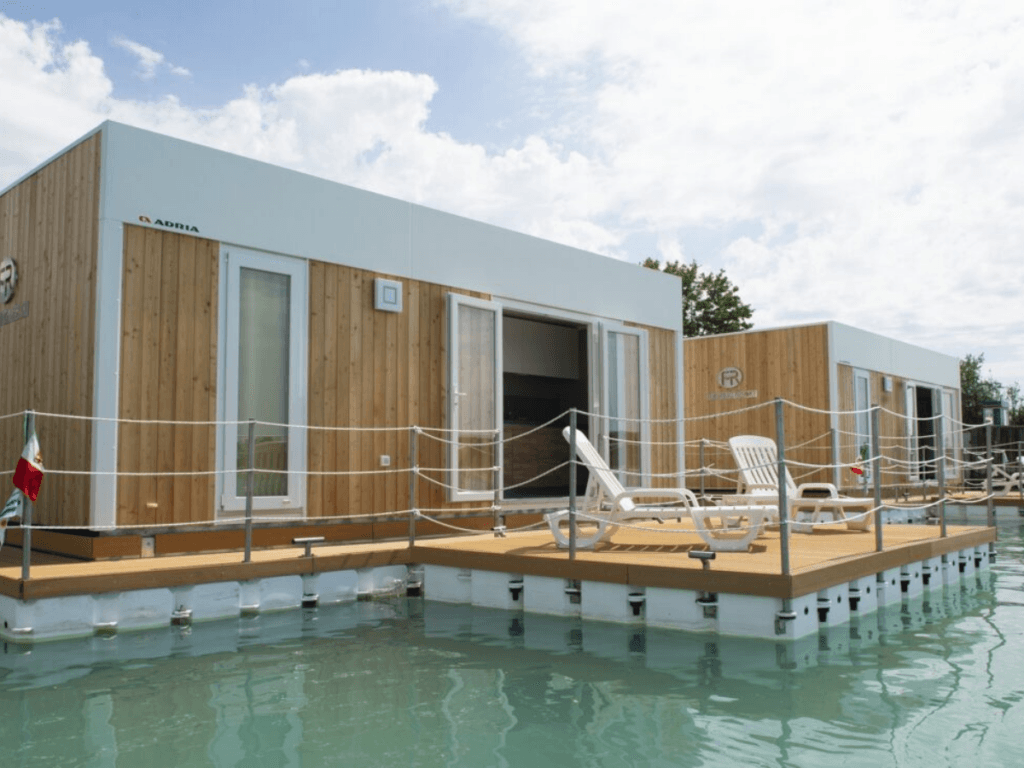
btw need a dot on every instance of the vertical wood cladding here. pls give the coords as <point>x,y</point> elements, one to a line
<point>168,373</point>
<point>376,370</point>
<point>791,363</point>
<point>49,226</point>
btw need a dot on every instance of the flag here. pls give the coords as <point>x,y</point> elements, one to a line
<point>11,509</point>
<point>857,470</point>
<point>29,474</point>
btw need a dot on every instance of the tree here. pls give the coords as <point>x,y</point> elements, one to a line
<point>711,303</point>
<point>975,389</point>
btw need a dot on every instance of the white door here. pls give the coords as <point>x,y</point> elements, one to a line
<point>862,404</point>
<point>474,397</point>
<point>911,429</point>
<point>950,436</point>
<point>623,426</point>
<point>264,363</point>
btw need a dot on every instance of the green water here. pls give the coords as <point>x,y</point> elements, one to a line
<point>411,683</point>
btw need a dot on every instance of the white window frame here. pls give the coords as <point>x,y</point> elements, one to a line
<point>862,419</point>
<point>455,301</point>
<point>232,260</point>
<point>607,328</point>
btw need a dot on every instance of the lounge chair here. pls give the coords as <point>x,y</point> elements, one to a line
<point>607,503</point>
<point>1003,483</point>
<point>758,460</point>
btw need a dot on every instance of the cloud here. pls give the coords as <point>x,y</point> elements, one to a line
<point>149,60</point>
<point>872,144</point>
<point>361,127</point>
<point>857,162</point>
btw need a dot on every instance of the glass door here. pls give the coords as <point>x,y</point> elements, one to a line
<point>623,427</point>
<point>264,314</point>
<point>474,397</point>
<point>911,429</point>
<point>862,404</point>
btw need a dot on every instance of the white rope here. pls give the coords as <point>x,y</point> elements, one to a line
<point>536,477</point>
<point>419,514</point>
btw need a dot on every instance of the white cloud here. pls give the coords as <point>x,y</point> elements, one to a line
<point>360,127</point>
<point>876,146</point>
<point>149,59</point>
<point>854,161</point>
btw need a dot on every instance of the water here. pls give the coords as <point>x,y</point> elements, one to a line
<point>413,683</point>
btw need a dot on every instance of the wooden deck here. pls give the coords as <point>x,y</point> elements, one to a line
<point>644,558</point>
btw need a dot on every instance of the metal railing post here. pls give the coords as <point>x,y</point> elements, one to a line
<point>990,516</point>
<point>940,439</point>
<point>702,466</point>
<point>26,509</point>
<point>498,520</point>
<point>572,483</point>
<point>249,477</point>
<point>1020,473</point>
<point>876,459</point>
<point>833,441</point>
<point>780,441</point>
<point>413,472</point>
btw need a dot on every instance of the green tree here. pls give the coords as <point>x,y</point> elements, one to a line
<point>975,388</point>
<point>711,303</point>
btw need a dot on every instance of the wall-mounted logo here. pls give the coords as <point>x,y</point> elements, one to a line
<point>8,279</point>
<point>730,378</point>
<point>169,224</point>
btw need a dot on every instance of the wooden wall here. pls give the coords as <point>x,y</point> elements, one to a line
<point>369,368</point>
<point>49,226</point>
<point>791,363</point>
<point>168,373</point>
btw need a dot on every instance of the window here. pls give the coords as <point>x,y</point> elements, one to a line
<point>264,364</point>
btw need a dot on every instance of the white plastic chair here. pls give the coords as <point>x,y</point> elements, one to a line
<point>607,503</point>
<point>758,460</point>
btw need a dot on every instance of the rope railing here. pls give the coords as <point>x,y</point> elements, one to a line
<point>881,465</point>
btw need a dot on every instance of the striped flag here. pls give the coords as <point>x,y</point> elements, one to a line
<point>28,475</point>
<point>11,509</point>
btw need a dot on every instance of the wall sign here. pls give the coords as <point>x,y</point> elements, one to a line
<point>13,313</point>
<point>169,224</point>
<point>729,379</point>
<point>8,279</point>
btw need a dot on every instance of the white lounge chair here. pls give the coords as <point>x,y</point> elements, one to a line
<point>1003,483</point>
<point>607,503</point>
<point>758,460</point>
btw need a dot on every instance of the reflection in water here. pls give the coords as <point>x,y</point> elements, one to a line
<point>422,683</point>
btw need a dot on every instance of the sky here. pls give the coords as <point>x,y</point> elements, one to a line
<point>853,161</point>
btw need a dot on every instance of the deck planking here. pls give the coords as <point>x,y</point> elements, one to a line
<point>654,556</point>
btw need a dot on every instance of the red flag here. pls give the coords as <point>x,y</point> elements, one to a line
<point>29,474</point>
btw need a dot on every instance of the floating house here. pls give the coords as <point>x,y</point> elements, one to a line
<point>837,373</point>
<point>159,294</point>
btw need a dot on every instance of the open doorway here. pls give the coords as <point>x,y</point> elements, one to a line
<point>925,411</point>
<point>546,367</point>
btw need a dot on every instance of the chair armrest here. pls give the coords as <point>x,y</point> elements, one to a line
<point>833,492</point>
<point>677,494</point>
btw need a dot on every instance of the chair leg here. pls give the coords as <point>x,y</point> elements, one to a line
<point>587,538</point>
